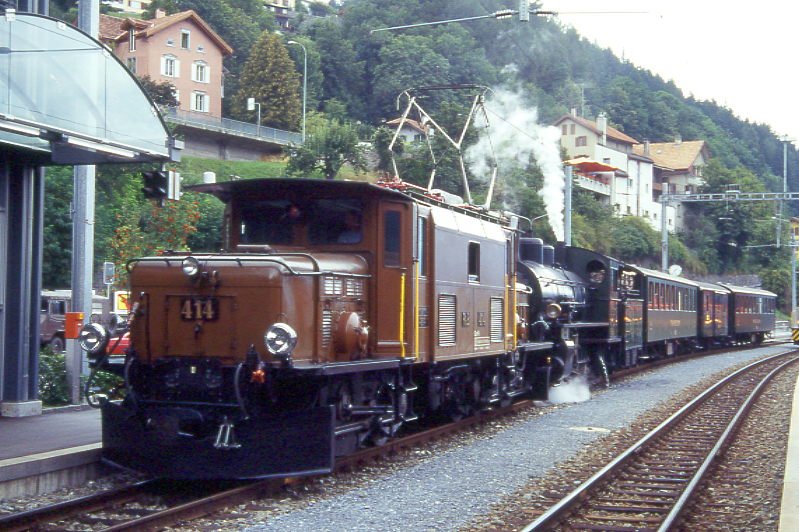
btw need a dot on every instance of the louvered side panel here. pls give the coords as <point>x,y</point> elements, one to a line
<point>497,319</point>
<point>447,319</point>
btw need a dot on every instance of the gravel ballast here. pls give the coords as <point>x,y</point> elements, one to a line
<point>454,489</point>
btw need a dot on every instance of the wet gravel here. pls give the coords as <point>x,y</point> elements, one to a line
<point>459,487</point>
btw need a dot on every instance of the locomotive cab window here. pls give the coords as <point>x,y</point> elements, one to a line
<point>474,262</point>
<point>391,238</point>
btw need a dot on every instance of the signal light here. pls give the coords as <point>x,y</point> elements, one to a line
<point>155,184</point>
<point>161,184</point>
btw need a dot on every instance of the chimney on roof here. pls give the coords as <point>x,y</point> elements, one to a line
<point>646,146</point>
<point>602,125</point>
<point>160,13</point>
<point>678,139</point>
<point>574,111</point>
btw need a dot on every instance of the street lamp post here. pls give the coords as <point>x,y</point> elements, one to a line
<point>251,105</point>
<point>304,83</point>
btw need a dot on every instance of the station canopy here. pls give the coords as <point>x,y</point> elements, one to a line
<point>66,99</point>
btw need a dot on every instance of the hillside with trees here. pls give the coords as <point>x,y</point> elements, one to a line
<point>355,77</point>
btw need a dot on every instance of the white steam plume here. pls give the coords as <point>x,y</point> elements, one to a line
<point>515,134</point>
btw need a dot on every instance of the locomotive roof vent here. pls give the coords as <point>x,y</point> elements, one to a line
<point>531,250</point>
<point>548,255</point>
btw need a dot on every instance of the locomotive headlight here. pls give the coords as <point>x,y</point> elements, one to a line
<point>190,266</point>
<point>280,340</point>
<point>553,310</point>
<point>93,338</point>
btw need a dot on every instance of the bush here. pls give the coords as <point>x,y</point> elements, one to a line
<point>53,388</point>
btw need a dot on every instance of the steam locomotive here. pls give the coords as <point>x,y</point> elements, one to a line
<point>340,311</point>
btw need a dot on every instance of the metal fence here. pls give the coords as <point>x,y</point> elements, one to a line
<point>230,127</point>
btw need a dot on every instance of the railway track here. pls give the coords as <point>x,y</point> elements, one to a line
<point>156,504</point>
<point>651,484</point>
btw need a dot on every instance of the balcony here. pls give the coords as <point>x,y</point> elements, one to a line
<point>594,184</point>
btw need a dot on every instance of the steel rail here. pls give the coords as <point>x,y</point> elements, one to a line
<point>560,510</point>
<point>34,519</point>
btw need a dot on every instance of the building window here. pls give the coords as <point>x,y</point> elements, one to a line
<point>199,102</point>
<point>564,129</point>
<point>200,72</point>
<point>185,39</point>
<point>571,129</point>
<point>131,40</point>
<point>177,96</point>
<point>201,49</point>
<point>131,62</point>
<point>474,262</point>
<point>170,42</point>
<point>582,140</point>
<point>170,66</point>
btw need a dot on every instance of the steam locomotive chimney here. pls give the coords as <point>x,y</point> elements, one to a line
<point>560,253</point>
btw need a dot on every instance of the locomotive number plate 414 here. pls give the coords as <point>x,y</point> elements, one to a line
<point>199,309</point>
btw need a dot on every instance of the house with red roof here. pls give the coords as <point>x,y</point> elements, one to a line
<point>677,168</point>
<point>181,49</point>
<point>629,187</point>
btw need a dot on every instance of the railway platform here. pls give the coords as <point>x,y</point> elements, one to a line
<point>42,453</point>
<point>789,511</point>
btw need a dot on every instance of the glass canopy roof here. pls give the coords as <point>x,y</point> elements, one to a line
<point>65,98</point>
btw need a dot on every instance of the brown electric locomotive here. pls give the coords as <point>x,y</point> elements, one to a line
<point>338,312</point>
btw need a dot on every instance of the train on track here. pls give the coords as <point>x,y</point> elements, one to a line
<point>338,312</point>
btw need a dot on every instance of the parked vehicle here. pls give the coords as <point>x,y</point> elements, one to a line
<point>52,316</point>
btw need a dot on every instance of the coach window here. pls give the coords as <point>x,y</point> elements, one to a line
<point>474,262</point>
<point>391,238</point>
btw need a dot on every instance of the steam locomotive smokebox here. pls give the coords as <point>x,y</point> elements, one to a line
<point>532,250</point>
<point>549,255</point>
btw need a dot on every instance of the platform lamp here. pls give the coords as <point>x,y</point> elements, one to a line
<point>251,105</point>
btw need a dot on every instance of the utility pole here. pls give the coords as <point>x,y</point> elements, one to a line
<point>82,230</point>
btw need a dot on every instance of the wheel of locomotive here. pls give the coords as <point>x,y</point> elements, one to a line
<point>382,427</point>
<point>461,397</point>
<point>342,401</point>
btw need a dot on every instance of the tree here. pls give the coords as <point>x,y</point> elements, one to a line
<point>161,92</point>
<point>269,76</point>
<point>329,145</point>
<point>157,229</point>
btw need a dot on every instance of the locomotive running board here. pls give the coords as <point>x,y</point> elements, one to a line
<point>289,444</point>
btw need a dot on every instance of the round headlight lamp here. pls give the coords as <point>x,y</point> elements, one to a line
<point>553,310</point>
<point>93,338</point>
<point>280,339</point>
<point>190,266</point>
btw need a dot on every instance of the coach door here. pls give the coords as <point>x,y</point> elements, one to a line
<point>393,281</point>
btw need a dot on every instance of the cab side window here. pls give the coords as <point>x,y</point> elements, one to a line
<point>391,238</point>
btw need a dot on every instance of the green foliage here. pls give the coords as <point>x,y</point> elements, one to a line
<point>328,146</point>
<point>269,76</point>
<point>382,140</point>
<point>162,93</point>
<point>53,388</point>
